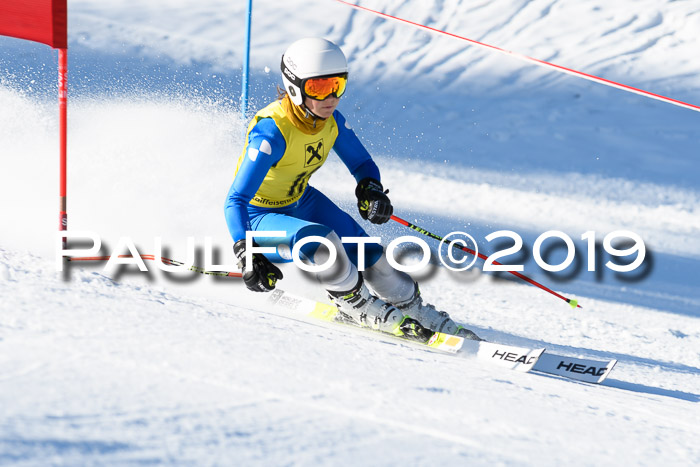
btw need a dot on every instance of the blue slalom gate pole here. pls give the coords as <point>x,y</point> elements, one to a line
<point>246,62</point>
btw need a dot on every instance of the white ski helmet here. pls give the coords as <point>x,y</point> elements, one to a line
<point>310,58</point>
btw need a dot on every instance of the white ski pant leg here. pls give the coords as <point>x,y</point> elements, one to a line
<point>387,283</point>
<point>342,275</point>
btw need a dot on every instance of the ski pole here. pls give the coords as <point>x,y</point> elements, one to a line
<point>571,302</point>
<point>167,261</point>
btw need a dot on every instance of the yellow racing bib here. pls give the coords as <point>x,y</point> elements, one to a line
<point>305,153</point>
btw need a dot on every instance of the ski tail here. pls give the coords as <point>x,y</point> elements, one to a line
<point>506,356</point>
<point>581,369</point>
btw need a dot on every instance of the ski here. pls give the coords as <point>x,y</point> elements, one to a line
<point>516,358</point>
<point>505,356</point>
<point>581,369</point>
<point>523,359</point>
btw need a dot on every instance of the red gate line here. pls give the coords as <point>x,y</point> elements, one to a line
<point>536,61</point>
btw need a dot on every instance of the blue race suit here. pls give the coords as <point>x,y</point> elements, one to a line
<point>313,213</point>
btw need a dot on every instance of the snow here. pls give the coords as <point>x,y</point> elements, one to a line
<point>125,367</point>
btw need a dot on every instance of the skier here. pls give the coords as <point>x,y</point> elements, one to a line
<point>286,143</point>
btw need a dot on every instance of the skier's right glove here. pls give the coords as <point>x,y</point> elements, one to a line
<point>372,201</point>
<point>262,275</point>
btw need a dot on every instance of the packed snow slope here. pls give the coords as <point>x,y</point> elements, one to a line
<point>125,367</point>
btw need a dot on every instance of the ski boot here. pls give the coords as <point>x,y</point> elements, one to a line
<point>433,319</point>
<point>370,311</point>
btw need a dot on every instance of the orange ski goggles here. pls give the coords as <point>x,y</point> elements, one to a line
<point>323,86</point>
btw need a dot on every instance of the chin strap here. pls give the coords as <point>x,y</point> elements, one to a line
<point>310,114</point>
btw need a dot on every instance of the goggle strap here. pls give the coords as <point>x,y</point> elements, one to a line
<point>289,74</point>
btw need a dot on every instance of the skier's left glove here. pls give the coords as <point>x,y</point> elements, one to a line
<point>261,275</point>
<point>372,201</point>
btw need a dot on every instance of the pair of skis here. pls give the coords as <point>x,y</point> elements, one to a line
<point>506,356</point>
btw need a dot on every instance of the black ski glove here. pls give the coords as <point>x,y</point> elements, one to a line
<point>372,201</point>
<point>262,275</point>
